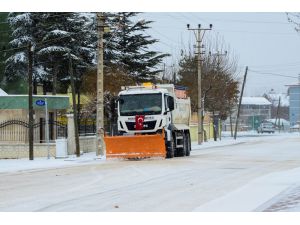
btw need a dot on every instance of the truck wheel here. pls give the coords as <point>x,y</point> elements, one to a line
<point>188,142</point>
<point>170,149</point>
<point>182,151</point>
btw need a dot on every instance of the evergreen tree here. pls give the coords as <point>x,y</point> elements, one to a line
<point>4,42</point>
<point>21,25</point>
<point>127,46</point>
<point>54,35</point>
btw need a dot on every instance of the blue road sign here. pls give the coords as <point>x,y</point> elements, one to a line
<point>40,102</point>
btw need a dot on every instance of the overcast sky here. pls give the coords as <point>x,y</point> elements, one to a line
<point>265,42</point>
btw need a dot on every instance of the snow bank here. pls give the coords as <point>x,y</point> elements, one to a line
<point>254,195</point>
<point>242,137</point>
<point>18,165</point>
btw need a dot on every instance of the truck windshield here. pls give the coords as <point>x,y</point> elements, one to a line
<point>140,104</point>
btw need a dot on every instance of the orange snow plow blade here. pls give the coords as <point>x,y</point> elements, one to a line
<point>137,146</point>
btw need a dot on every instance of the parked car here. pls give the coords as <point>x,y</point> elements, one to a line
<point>266,127</point>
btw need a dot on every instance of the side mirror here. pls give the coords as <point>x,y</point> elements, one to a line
<point>170,103</point>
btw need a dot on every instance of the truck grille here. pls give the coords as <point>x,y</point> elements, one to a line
<point>149,125</point>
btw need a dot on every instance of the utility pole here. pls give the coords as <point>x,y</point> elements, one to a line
<point>230,121</point>
<point>74,107</point>
<point>30,100</point>
<point>240,102</point>
<point>100,148</point>
<point>199,40</point>
<point>277,115</point>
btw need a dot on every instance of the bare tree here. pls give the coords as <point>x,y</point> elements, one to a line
<point>220,88</point>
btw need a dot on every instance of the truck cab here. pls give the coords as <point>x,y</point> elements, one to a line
<point>160,110</point>
<point>153,104</point>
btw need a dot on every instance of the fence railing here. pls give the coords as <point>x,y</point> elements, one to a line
<point>17,131</point>
<point>87,127</point>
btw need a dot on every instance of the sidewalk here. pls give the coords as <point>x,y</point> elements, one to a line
<point>19,165</point>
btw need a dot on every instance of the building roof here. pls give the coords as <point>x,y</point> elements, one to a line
<point>284,99</point>
<point>255,101</point>
<point>2,93</point>
<point>281,120</point>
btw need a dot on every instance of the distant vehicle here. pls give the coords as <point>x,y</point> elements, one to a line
<point>266,127</point>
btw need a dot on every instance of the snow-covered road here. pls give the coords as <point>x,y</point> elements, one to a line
<point>252,174</point>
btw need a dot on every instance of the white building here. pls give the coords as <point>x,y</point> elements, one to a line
<point>253,111</point>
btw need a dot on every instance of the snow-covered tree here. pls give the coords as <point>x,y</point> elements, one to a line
<point>127,45</point>
<point>22,26</point>
<point>53,35</point>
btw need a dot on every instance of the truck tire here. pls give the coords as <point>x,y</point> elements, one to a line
<point>170,149</point>
<point>182,151</point>
<point>188,142</point>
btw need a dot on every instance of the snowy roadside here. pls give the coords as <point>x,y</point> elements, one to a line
<point>19,165</point>
<point>243,137</point>
<point>273,192</point>
<point>287,201</point>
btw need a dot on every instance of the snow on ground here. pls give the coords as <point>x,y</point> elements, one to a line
<point>242,137</point>
<point>253,173</point>
<point>287,201</point>
<point>255,195</point>
<point>18,165</point>
<point>15,165</point>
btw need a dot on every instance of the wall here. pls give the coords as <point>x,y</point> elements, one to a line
<point>87,144</point>
<point>208,129</point>
<point>12,114</point>
<point>18,151</point>
<point>294,93</point>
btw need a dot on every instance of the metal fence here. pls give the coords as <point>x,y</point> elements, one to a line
<point>87,127</point>
<point>17,131</point>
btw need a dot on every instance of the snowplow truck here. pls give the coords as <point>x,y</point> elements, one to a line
<point>153,121</point>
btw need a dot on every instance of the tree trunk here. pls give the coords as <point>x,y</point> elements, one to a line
<point>55,73</point>
<point>34,87</point>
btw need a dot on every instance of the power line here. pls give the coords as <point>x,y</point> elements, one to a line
<point>272,74</point>
<point>247,21</point>
<point>255,32</point>
<point>164,35</point>
<point>174,17</point>
<point>284,64</point>
<point>231,20</point>
<point>198,18</point>
<point>170,46</point>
